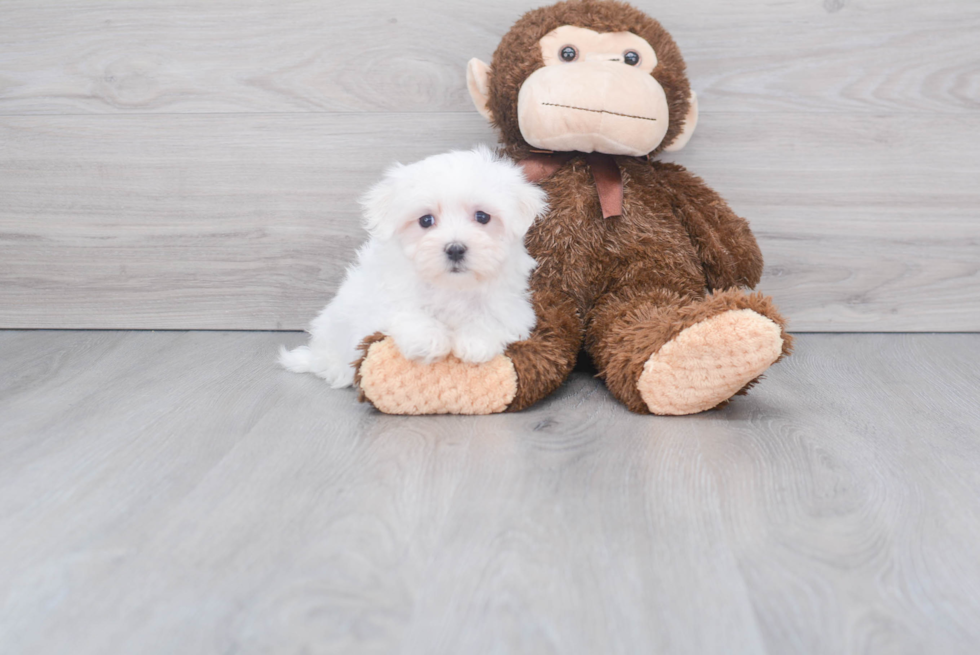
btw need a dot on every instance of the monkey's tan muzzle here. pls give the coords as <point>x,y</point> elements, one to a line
<point>590,106</point>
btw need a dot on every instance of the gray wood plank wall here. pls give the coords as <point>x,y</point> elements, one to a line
<point>196,164</point>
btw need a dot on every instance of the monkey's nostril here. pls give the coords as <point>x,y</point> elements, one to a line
<point>455,252</point>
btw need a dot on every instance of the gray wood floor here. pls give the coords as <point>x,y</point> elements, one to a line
<point>175,492</point>
<point>195,164</point>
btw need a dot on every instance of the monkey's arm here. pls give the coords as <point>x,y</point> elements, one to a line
<point>725,244</point>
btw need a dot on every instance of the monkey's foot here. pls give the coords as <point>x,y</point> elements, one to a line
<point>709,362</point>
<point>396,385</point>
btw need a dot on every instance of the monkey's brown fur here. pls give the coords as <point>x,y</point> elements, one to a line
<point>620,287</point>
<point>625,286</point>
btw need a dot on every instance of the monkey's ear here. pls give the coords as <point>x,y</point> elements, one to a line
<point>478,82</point>
<point>690,122</point>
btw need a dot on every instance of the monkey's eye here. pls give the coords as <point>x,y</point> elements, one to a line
<point>631,57</point>
<point>482,218</point>
<point>568,53</point>
<point>427,221</point>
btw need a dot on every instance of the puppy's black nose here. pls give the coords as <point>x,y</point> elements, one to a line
<point>455,252</point>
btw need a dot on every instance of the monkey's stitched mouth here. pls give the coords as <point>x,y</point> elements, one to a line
<point>598,111</point>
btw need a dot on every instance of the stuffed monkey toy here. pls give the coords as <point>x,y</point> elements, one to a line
<point>639,262</point>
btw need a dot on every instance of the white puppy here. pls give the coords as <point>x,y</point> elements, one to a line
<point>445,270</point>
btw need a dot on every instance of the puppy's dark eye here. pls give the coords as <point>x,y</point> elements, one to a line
<point>631,57</point>
<point>427,221</point>
<point>568,53</point>
<point>482,218</point>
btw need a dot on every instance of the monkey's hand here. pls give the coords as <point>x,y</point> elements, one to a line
<point>396,385</point>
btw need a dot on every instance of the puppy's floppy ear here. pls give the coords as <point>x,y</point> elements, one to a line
<point>530,201</point>
<point>378,203</point>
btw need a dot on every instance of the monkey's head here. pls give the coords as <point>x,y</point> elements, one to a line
<point>586,75</point>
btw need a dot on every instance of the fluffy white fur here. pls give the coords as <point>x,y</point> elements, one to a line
<point>404,283</point>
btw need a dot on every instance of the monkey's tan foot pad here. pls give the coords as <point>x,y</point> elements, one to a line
<point>709,362</point>
<point>396,385</point>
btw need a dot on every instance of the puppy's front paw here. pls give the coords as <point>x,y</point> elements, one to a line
<point>476,349</point>
<point>425,344</point>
